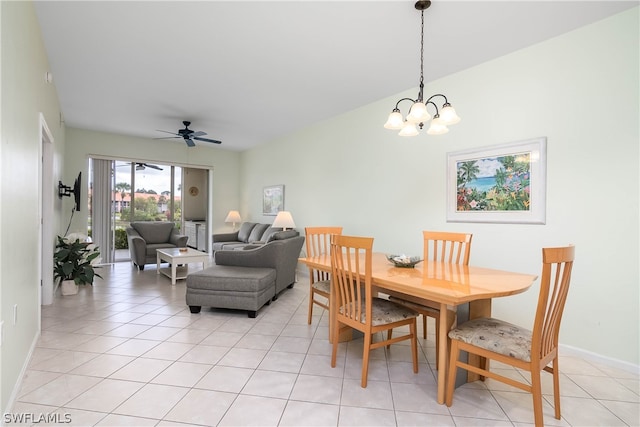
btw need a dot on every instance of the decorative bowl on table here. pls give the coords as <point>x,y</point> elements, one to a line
<point>404,261</point>
<point>183,249</point>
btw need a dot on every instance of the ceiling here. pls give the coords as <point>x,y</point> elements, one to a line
<point>248,72</point>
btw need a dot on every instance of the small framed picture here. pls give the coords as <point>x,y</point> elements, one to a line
<point>272,199</point>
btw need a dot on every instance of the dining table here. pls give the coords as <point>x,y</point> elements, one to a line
<point>447,286</point>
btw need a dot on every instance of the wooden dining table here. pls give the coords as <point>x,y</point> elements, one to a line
<point>444,284</point>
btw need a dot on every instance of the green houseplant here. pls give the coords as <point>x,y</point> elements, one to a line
<point>75,259</point>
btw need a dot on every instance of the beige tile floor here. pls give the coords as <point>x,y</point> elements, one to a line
<point>127,351</point>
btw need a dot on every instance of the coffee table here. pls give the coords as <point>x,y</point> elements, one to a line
<point>174,257</point>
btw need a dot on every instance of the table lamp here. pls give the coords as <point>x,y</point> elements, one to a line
<point>284,220</point>
<point>233,217</point>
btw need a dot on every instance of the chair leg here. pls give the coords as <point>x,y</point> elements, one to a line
<point>389,333</point>
<point>424,326</point>
<point>414,345</point>
<point>334,351</point>
<point>451,375</point>
<point>365,359</point>
<point>556,388</point>
<point>310,305</point>
<point>536,391</point>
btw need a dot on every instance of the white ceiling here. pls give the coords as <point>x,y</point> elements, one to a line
<point>249,72</point>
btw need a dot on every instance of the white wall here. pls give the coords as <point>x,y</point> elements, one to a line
<point>25,95</point>
<point>580,90</point>
<point>82,144</point>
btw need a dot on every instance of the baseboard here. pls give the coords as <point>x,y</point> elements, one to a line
<point>567,350</point>
<point>18,384</point>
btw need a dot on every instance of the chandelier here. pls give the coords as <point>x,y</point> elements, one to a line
<point>418,114</point>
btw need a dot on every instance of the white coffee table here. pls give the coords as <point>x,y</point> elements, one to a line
<point>174,257</point>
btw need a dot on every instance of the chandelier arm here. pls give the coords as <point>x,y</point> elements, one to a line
<point>437,94</point>
<point>434,105</point>
<point>403,99</point>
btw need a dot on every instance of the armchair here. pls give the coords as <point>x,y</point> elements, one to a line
<point>144,237</point>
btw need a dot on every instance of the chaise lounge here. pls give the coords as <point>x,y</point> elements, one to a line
<point>246,279</point>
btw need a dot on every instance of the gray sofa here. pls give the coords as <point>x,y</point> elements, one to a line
<point>144,237</point>
<point>246,279</point>
<point>250,233</point>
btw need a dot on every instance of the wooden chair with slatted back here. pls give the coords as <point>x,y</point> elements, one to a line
<point>318,241</point>
<point>446,247</point>
<point>522,348</point>
<point>357,308</point>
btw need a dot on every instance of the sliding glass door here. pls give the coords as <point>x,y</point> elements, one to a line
<point>136,191</point>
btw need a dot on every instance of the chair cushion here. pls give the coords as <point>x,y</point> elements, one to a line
<point>497,336</point>
<point>323,286</point>
<point>245,231</point>
<point>154,231</point>
<point>384,311</point>
<point>257,232</point>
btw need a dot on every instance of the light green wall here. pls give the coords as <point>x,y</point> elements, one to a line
<point>580,90</point>
<point>82,144</point>
<point>25,95</point>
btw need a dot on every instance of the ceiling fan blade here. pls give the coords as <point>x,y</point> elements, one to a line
<point>190,142</point>
<point>166,131</point>
<point>153,166</point>
<point>198,133</point>
<point>169,137</point>
<point>208,140</point>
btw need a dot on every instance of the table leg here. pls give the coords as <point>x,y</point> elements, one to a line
<point>174,265</point>
<point>158,263</point>
<point>443,352</point>
<point>478,308</point>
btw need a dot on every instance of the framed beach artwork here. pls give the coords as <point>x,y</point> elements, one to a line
<point>502,183</point>
<point>272,199</point>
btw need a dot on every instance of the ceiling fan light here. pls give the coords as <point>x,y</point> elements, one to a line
<point>394,121</point>
<point>409,129</point>
<point>448,115</point>
<point>418,113</point>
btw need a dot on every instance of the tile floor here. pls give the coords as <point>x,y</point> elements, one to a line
<point>127,351</point>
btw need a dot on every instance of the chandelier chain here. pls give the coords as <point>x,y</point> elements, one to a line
<point>422,51</point>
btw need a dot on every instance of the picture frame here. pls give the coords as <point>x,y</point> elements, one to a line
<point>272,199</point>
<point>503,183</point>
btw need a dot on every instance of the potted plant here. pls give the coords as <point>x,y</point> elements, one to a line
<point>74,261</point>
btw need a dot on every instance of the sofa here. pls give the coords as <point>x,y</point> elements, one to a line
<point>144,237</point>
<point>247,279</point>
<point>249,233</point>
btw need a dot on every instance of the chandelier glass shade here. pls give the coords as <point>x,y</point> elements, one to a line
<point>418,114</point>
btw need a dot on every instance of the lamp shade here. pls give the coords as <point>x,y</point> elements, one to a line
<point>394,121</point>
<point>409,129</point>
<point>284,220</point>
<point>233,216</point>
<point>448,115</point>
<point>437,127</point>
<point>418,113</point>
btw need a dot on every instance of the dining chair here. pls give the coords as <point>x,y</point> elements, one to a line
<point>446,247</point>
<point>513,345</point>
<point>318,241</point>
<point>357,307</point>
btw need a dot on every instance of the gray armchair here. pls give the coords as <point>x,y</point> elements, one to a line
<point>281,254</point>
<point>144,237</point>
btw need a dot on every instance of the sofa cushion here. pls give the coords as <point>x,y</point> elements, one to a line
<point>269,232</point>
<point>245,231</point>
<point>153,231</point>
<point>283,235</point>
<point>257,232</point>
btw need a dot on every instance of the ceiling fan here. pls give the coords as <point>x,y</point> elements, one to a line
<point>189,135</point>
<point>143,166</point>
